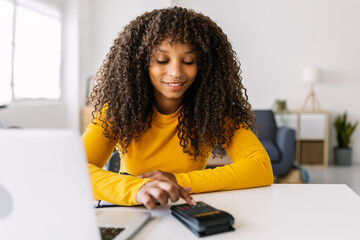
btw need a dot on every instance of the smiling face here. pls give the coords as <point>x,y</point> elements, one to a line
<point>172,70</point>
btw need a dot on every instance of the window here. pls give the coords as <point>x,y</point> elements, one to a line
<point>6,23</point>
<point>30,47</point>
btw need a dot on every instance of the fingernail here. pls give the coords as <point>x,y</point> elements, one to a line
<point>188,189</point>
<point>192,202</point>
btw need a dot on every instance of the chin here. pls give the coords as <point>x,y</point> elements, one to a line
<point>174,96</point>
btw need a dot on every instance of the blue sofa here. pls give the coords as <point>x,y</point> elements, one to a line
<point>279,142</point>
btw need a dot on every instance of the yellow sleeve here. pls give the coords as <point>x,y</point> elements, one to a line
<point>251,167</point>
<point>111,187</point>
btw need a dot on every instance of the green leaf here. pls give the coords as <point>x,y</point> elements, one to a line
<point>344,130</point>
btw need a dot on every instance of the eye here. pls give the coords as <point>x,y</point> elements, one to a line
<point>161,62</point>
<point>188,63</point>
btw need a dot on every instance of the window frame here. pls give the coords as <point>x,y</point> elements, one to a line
<point>40,100</point>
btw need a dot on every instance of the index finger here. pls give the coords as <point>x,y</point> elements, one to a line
<point>175,191</point>
<point>186,196</point>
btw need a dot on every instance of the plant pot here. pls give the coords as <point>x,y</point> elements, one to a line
<point>343,156</point>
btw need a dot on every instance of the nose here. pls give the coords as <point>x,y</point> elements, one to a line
<point>175,71</point>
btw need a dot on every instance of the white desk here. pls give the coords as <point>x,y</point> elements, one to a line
<point>281,211</point>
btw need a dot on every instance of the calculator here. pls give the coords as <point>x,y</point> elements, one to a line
<point>203,219</point>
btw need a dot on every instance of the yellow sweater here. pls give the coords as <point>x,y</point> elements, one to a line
<point>159,149</point>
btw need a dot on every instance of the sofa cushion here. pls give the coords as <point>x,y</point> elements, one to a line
<point>272,150</point>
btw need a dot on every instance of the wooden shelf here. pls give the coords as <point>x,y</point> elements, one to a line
<point>312,135</point>
<point>86,117</point>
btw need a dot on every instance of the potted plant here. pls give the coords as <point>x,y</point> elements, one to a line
<point>344,130</point>
<point>280,106</point>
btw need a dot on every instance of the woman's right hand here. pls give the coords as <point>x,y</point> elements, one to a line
<point>161,191</point>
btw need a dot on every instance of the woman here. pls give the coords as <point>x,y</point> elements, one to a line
<point>168,95</point>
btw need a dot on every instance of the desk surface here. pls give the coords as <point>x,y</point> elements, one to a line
<point>281,211</point>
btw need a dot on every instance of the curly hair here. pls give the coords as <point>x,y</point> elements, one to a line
<point>214,106</point>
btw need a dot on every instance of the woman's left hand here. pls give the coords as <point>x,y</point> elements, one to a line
<point>159,175</point>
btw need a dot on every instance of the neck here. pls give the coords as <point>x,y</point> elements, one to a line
<point>167,107</point>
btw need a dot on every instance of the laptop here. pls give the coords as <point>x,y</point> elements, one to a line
<point>45,190</point>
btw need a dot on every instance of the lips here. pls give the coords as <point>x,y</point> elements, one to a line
<point>174,85</point>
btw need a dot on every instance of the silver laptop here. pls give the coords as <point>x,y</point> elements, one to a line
<point>45,190</point>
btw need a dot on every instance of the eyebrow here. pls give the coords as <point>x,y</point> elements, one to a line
<point>165,51</point>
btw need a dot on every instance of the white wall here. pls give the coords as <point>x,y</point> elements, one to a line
<point>71,63</point>
<point>275,39</point>
<point>100,28</point>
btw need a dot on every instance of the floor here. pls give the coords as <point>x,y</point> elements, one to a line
<point>349,175</point>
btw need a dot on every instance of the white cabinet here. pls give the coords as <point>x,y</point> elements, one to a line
<point>312,126</point>
<point>312,140</point>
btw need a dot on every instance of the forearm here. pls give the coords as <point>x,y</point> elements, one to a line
<point>115,188</point>
<point>251,167</point>
<point>246,173</point>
